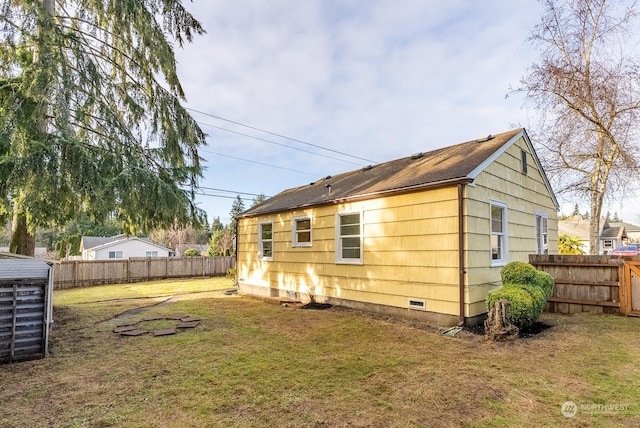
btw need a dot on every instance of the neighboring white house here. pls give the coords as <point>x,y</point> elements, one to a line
<point>612,234</point>
<point>120,247</point>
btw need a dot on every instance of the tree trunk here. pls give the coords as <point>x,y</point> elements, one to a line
<point>497,326</point>
<point>22,242</point>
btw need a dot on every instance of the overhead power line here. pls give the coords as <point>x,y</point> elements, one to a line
<point>279,135</point>
<point>231,191</point>
<point>276,143</point>
<point>261,163</point>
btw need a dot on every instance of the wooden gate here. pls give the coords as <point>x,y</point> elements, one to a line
<point>630,289</point>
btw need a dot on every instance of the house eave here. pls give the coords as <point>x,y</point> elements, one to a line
<point>368,196</point>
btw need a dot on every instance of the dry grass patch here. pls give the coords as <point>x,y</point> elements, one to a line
<point>254,364</point>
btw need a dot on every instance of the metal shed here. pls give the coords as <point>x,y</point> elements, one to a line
<point>26,291</point>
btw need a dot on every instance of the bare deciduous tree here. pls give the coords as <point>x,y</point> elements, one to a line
<point>587,87</point>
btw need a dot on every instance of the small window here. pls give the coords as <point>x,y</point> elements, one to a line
<point>523,153</point>
<point>152,254</point>
<point>542,233</point>
<point>115,254</point>
<point>607,244</point>
<point>265,239</point>
<point>302,232</point>
<point>498,233</point>
<point>349,238</point>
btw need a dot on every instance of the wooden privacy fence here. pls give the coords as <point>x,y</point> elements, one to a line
<point>84,273</point>
<point>586,283</point>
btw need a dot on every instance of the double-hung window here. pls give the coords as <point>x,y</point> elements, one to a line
<point>265,241</point>
<point>115,254</point>
<point>349,237</point>
<point>498,233</point>
<point>542,233</point>
<point>151,254</point>
<point>301,232</point>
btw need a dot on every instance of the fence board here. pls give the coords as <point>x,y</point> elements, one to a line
<point>84,273</point>
<point>583,283</point>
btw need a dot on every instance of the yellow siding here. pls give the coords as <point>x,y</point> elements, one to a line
<point>410,243</point>
<point>523,194</point>
<point>410,251</point>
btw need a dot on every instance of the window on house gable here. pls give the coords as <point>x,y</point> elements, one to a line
<point>302,232</point>
<point>265,240</point>
<point>523,154</point>
<point>115,254</point>
<point>498,233</point>
<point>349,238</point>
<point>542,233</point>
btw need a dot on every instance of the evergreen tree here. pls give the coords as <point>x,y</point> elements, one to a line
<point>236,209</point>
<point>258,200</point>
<point>216,224</point>
<point>576,210</point>
<point>90,115</point>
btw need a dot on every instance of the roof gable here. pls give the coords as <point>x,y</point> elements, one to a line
<point>106,242</point>
<point>459,163</point>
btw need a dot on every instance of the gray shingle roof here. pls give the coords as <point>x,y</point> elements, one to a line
<point>447,165</point>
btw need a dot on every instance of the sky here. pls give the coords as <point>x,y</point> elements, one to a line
<point>350,83</point>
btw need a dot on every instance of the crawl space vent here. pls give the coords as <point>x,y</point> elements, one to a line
<point>417,304</point>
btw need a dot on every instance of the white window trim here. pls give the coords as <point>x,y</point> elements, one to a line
<point>505,233</point>
<point>604,243</point>
<point>294,231</point>
<point>338,240</point>
<point>260,240</point>
<point>117,254</point>
<point>545,216</point>
<point>151,254</point>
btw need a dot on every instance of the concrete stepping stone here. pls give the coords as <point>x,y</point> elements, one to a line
<point>176,317</point>
<point>123,328</point>
<point>164,332</point>
<point>136,332</point>
<point>153,318</point>
<point>189,319</point>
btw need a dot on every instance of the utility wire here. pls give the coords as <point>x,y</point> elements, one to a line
<point>261,163</point>
<point>276,143</point>
<point>280,135</point>
<point>231,191</point>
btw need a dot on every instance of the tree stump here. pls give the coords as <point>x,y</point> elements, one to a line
<point>497,326</point>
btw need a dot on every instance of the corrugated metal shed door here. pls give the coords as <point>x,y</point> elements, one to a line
<point>24,309</point>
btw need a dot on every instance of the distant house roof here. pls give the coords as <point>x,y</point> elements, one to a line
<point>88,242</point>
<point>579,227</point>
<point>96,242</point>
<point>460,163</point>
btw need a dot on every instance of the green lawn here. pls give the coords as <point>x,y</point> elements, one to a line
<point>251,363</point>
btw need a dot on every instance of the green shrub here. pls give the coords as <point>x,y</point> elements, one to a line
<point>545,281</point>
<point>518,273</point>
<point>538,295</point>
<point>522,312</point>
<point>191,252</point>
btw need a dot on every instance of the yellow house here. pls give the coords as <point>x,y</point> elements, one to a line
<point>423,236</point>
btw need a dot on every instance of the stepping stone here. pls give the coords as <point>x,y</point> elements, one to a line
<point>189,319</point>
<point>176,317</point>
<point>153,318</point>
<point>136,332</point>
<point>164,332</point>
<point>189,324</point>
<point>123,328</point>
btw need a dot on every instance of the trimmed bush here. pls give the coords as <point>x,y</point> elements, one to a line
<point>518,273</point>
<point>521,311</point>
<point>191,252</point>
<point>545,281</point>
<point>526,289</point>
